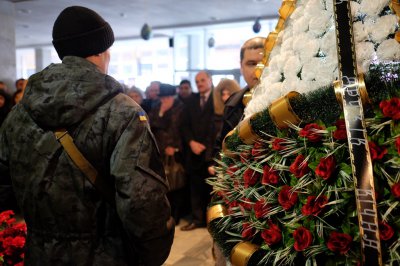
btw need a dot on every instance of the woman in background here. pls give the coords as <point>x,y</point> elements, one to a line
<point>221,93</point>
<point>165,123</point>
<point>136,94</point>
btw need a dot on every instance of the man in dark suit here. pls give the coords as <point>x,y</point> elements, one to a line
<point>251,53</point>
<point>199,134</point>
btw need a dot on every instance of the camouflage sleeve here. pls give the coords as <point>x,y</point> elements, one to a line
<point>141,189</point>
<point>6,193</point>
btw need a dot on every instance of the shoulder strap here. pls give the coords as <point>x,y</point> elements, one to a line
<point>84,165</point>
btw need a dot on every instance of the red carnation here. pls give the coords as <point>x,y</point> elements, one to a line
<point>232,169</point>
<point>248,230</point>
<point>246,204</point>
<point>386,232</point>
<point>257,149</point>
<point>299,167</point>
<point>397,144</point>
<point>286,198</point>
<point>261,208</point>
<point>396,190</point>
<point>232,205</point>
<point>272,235</point>
<point>339,242</point>
<point>302,238</point>
<point>314,205</point>
<point>326,167</point>
<point>391,108</point>
<point>250,177</point>
<point>244,156</point>
<point>340,132</point>
<point>5,215</point>
<point>276,144</point>
<point>310,132</point>
<point>270,176</point>
<point>376,151</point>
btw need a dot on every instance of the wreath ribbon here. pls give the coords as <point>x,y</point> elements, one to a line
<point>351,98</point>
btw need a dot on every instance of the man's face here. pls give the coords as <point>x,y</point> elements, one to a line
<point>248,65</point>
<point>136,97</point>
<point>153,91</point>
<point>184,90</point>
<point>203,82</point>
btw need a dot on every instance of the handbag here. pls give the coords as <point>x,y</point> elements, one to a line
<point>175,173</point>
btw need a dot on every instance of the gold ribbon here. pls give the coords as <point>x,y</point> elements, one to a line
<point>395,7</point>
<point>247,96</point>
<point>286,9</point>
<point>362,88</point>
<point>242,252</point>
<point>281,111</point>
<point>216,211</point>
<point>246,133</point>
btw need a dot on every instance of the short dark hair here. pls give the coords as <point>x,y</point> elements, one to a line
<point>18,80</point>
<point>185,81</point>
<point>252,44</point>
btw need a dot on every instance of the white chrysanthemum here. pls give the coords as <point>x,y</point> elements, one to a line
<point>300,26</point>
<point>382,27</point>
<point>292,66</point>
<point>298,13</point>
<point>388,50</point>
<point>308,43</point>
<point>374,7</point>
<point>355,9</point>
<point>273,77</point>
<point>312,50</point>
<point>360,32</point>
<point>319,24</point>
<point>365,52</point>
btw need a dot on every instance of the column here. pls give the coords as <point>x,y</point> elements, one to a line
<point>42,58</point>
<point>7,44</point>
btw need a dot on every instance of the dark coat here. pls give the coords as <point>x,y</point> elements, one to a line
<point>69,223</point>
<point>198,125</point>
<point>166,128</point>
<point>233,113</point>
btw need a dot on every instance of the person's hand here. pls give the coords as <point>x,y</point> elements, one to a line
<point>196,147</point>
<point>211,170</point>
<point>170,151</point>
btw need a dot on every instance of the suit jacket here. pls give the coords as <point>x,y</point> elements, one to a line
<point>198,125</point>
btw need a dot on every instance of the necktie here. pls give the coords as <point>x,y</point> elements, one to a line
<point>202,101</point>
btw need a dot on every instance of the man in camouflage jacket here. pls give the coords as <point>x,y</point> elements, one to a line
<point>69,222</point>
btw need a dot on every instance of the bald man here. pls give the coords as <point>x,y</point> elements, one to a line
<point>199,135</point>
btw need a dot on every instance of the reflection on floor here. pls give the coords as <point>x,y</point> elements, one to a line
<point>192,248</point>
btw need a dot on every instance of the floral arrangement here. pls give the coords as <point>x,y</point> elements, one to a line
<point>305,56</point>
<point>12,239</point>
<point>293,194</point>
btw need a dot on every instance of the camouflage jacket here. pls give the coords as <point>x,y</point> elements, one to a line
<point>68,221</point>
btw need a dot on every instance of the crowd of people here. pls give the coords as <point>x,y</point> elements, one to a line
<point>128,137</point>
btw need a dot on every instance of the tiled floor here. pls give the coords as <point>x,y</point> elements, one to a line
<point>191,248</point>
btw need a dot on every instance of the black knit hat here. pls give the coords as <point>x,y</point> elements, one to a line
<point>81,32</point>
